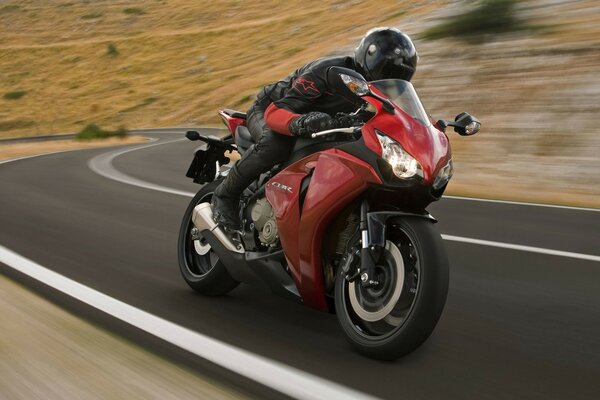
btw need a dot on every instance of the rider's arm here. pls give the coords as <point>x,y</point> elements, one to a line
<point>278,119</point>
<point>298,100</point>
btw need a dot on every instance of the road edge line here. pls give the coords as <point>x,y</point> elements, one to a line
<point>280,377</point>
<point>102,165</point>
<point>531,249</point>
<point>521,203</point>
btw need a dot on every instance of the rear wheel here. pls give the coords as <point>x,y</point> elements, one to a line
<point>198,263</point>
<point>397,315</point>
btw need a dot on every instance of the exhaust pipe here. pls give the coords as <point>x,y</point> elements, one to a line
<point>202,218</point>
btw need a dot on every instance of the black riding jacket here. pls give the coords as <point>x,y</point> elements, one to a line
<point>303,91</point>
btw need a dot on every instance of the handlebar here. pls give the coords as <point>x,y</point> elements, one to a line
<point>337,130</point>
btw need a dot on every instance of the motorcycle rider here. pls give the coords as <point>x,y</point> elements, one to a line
<point>302,104</point>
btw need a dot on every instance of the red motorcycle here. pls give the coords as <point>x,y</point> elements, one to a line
<point>342,225</point>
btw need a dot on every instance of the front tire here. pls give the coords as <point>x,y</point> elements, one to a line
<point>198,263</point>
<point>395,317</point>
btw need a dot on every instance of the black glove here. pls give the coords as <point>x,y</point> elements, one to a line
<point>344,120</point>
<point>309,123</point>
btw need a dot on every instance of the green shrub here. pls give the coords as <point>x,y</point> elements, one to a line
<point>15,124</point>
<point>112,50</point>
<point>488,18</point>
<point>14,95</point>
<point>9,8</point>
<point>149,100</point>
<point>93,15</point>
<point>134,10</point>
<point>93,131</point>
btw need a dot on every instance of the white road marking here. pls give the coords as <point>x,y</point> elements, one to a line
<point>521,247</point>
<point>285,379</point>
<point>35,155</point>
<point>102,164</point>
<point>520,203</point>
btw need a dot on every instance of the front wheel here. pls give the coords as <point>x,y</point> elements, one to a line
<point>395,317</point>
<point>199,265</point>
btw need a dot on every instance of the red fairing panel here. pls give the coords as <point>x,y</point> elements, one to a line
<point>337,179</point>
<point>283,192</point>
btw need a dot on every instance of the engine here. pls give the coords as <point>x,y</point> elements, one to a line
<point>264,222</point>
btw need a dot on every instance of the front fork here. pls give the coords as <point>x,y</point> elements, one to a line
<point>369,252</point>
<point>361,262</point>
<point>373,239</point>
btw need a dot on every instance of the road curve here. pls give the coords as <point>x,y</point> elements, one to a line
<point>516,324</point>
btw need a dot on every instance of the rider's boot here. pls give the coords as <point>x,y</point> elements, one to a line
<point>226,199</point>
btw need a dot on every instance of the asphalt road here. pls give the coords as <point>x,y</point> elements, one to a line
<point>516,324</point>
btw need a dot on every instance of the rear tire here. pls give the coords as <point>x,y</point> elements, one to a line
<point>198,263</point>
<point>394,318</point>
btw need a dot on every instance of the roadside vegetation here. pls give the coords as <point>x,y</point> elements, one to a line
<point>92,15</point>
<point>9,7</point>
<point>16,95</point>
<point>93,131</point>
<point>111,50</point>
<point>481,23</point>
<point>15,124</point>
<point>134,10</point>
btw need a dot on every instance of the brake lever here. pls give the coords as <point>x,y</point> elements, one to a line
<point>352,130</point>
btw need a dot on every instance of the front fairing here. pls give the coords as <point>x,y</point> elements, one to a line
<point>415,133</point>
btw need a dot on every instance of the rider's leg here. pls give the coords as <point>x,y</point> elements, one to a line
<point>271,148</point>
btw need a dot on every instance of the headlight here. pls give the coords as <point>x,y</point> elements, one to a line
<point>402,163</point>
<point>444,175</point>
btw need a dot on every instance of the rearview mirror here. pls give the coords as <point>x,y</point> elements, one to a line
<point>192,135</point>
<point>464,124</point>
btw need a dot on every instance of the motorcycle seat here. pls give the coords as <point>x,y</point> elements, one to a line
<point>234,113</point>
<point>243,139</point>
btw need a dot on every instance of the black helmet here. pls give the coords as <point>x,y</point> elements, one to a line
<point>386,53</point>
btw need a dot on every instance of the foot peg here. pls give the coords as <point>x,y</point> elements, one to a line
<point>203,220</point>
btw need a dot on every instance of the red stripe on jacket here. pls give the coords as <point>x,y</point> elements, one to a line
<point>278,119</point>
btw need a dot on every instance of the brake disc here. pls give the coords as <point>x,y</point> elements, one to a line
<point>385,309</point>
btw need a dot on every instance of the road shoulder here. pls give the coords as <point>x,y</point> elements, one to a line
<point>14,150</point>
<point>49,353</point>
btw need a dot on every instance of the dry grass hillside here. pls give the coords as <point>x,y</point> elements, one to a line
<point>150,63</point>
<point>155,63</point>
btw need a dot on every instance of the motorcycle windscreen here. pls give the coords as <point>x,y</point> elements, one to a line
<point>403,94</point>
